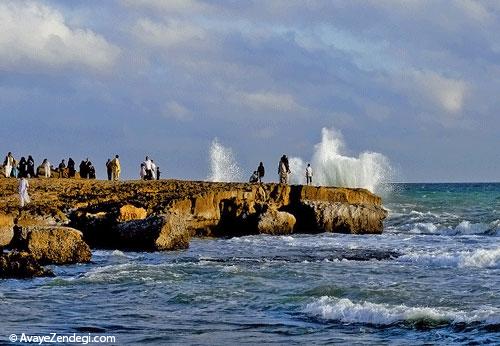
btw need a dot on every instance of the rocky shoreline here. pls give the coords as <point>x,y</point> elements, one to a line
<point>68,217</point>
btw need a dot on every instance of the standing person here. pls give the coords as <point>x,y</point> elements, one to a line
<point>261,172</point>
<point>108,169</point>
<point>46,168</point>
<point>83,170</point>
<point>115,168</point>
<point>71,168</point>
<point>158,172</point>
<point>30,167</point>
<point>153,170</point>
<point>142,172</point>
<point>147,165</point>
<point>283,170</point>
<point>23,168</point>
<point>15,170</point>
<point>23,191</point>
<point>62,169</point>
<point>91,170</point>
<point>8,164</point>
<point>309,174</point>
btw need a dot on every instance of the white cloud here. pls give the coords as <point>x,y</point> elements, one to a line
<point>269,101</point>
<point>167,35</point>
<point>175,110</point>
<point>35,34</point>
<point>176,6</point>
<point>447,93</point>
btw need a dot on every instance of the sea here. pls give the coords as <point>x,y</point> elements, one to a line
<point>432,277</point>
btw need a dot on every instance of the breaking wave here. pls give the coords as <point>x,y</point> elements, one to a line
<point>331,167</point>
<point>346,311</point>
<point>223,165</point>
<point>481,258</point>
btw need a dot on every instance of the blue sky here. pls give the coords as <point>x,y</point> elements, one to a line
<point>415,80</point>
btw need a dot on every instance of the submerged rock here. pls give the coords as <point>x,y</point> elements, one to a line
<point>21,265</point>
<point>155,233</point>
<point>54,244</point>
<point>276,222</point>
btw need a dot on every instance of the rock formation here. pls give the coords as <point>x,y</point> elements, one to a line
<point>164,215</point>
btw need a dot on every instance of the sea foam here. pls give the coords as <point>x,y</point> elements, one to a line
<point>223,165</point>
<point>480,258</point>
<point>346,311</point>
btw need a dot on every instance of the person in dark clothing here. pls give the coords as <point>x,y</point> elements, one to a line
<point>62,165</point>
<point>83,170</point>
<point>91,170</point>
<point>109,169</point>
<point>71,168</point>
<point>158,173</point>
<point>261,172</point>
<point>23,168</point>
<point>254,178</point>
<point>31,167</point>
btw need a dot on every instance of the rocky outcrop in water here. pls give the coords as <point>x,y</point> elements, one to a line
<point>164,215</point>
<point>21,265</point>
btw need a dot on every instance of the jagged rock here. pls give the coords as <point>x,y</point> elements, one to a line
<point>129,212</point>
<point>6,230</point>
<point>155,233</point>
<point>276,222</point>
<point>54,244</point>
<point>21,265</point>
<point>345,218</point>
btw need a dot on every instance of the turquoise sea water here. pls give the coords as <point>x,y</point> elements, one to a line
<point>431,278</point>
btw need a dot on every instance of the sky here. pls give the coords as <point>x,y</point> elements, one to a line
<point>415,80</point>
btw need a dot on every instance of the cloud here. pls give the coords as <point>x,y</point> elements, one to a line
<point>37,35</point>
<point>270,101</point>
<point>447,93</point>
<point>169,6</point>
<point>167,35</point>
<point>175,110</point>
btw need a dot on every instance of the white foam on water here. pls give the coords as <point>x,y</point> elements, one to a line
<point>223,165</point>
<point>346,311</point>
<point>463,228</point>
<point>370,170</point>
<point>481,258</point>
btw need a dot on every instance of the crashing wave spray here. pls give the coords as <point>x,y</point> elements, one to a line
<point>223,166</point>
<point>331,168</point>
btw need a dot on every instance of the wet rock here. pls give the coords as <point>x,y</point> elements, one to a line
<point>345,218</point>
<point>155,233</point>
<point>54,244</point>
<point>21,265</point>
<point>276,222</point>
<point>6,230</point>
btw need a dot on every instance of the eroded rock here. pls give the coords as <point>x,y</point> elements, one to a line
<point>6,230</point>
<point>21,265</point>
<point>276,222</point>
<point>155,233</point>
<point>54,244</point>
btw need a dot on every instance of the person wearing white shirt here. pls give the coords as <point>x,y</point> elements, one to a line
<point>23,191</point>
<point>309,174</point>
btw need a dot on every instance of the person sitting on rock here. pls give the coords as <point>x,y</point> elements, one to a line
<point>254,178</point>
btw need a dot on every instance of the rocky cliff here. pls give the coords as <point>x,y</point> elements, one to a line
<point>164,215</point>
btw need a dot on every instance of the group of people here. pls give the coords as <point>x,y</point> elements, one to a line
<point>283,172</point>
<point>149,170</point>
<point>113,168</point>
<point>23,168</point>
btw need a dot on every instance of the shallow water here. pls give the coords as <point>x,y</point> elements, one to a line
<point>432,277</point>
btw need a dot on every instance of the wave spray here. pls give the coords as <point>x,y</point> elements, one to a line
<point>331,168</point>
<point>223,165</point>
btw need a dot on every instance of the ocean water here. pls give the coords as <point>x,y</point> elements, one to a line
<point>432,277</point>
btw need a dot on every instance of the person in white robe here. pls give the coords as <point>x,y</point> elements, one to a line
<point>153,170</point>
<point>46,168</point>
<point>23,192</point>
<point>8,164</point>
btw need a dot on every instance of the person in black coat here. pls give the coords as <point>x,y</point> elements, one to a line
<point>83,170</point>
<point>71,168</point>
<point>23,168</point>
<point>31,167</point>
